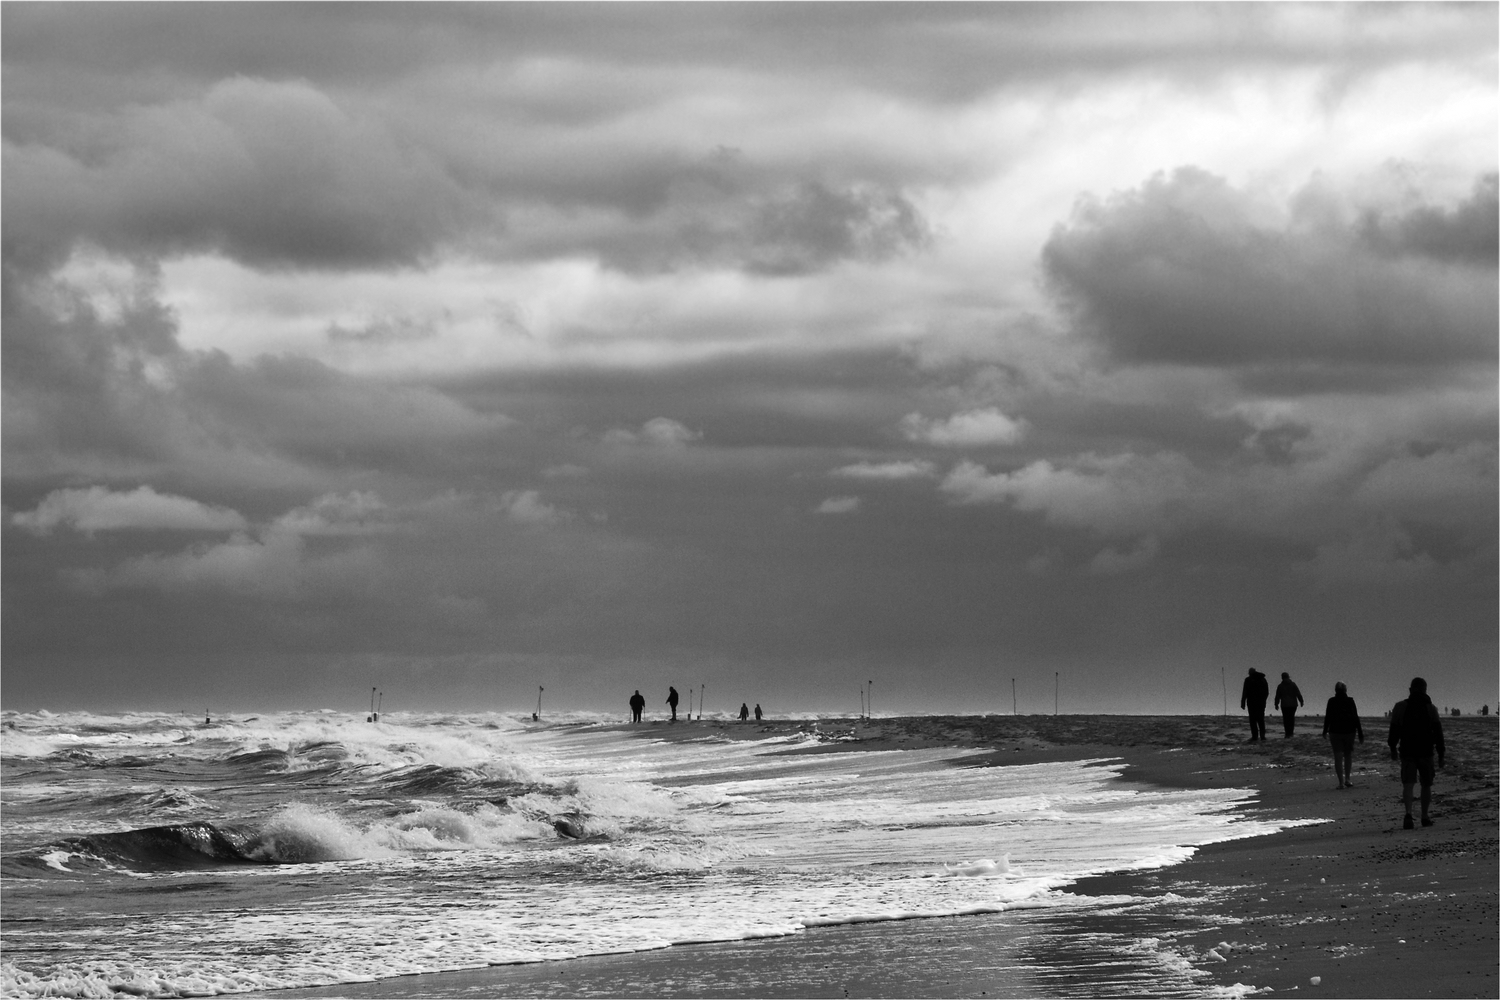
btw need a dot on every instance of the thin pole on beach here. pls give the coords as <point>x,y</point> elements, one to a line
<point>870,701</point>
<point>1225,683</point>
<point>379,704</point>
<point>701,689</point>
<point>539,690</point>
<point>372,706</point>
<point>1056,685</point>
<point>861,703</point>
<point>1013,697</point>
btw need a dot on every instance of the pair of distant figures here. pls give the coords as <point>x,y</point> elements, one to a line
<point>1416,733</point>
<point>638,705</point>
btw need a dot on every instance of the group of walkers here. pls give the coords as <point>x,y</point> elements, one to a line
<point>1416,733</point>
<point>638,705</point>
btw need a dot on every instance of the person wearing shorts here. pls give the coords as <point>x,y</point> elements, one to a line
<point>1416,734</point>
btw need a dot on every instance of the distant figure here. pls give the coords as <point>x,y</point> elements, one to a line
<point>208,720</point>
<point>1485,710</point>
<point>1287,699</point>
<point>1253,696</point>
<point>757,712</point>
<point>535,717</point>
<point>1416,731</point>
<point>1457,712</point>
<point>672,701</point>
<point>637,704</point>
<point>744,711</point>
<point>1340,725</point>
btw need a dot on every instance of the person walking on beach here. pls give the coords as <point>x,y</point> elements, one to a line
<point>1253,696</point>
<point>757,711</point>
<point>637,704</point>
<point>1340,725</point>
<point>744,711</point>
<point>1287,699</point>
<point>672,701</point>
<point>1416,731</point>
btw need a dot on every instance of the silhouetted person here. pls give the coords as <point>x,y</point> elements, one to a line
<point>744,711</point>
<point>672,702</point>
<point>757,713</point>
<point>1253,696</point>
<point>1416,731</point>
<point>1340,725</point>
<point>1485,710</point>
<point>1287,699</point>
<point>637,703</point>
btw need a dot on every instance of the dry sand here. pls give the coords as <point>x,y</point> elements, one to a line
<point>1370,909</point>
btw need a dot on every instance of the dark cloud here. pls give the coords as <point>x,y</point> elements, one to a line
<point>1469,232</point>
<point>375,136</point>
<point>939,51</point>
<point>1187,270</point>
<point>622,369</point>
<point>269,173</point>
<point>102,390</point>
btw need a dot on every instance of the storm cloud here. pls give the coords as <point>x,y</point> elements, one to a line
<point>468,348</point>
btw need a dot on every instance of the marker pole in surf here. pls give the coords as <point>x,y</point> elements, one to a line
<point>701,689</point>
<point>1013,697</point>
<point>861,703</point>
<point>371,716</point>
<point>379,704</point>
<point>1056,685</point>
<point>870,700</point>
<point>1225,684</point>
<point>538,716</point>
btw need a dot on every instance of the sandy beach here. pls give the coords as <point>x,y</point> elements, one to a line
<point>1350,906</point>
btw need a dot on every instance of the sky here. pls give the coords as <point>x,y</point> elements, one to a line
<point>1096,354</point>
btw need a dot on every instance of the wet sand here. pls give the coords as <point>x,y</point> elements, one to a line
<point>1368,908</point>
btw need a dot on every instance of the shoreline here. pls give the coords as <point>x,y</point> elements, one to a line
<point>1369,909</point>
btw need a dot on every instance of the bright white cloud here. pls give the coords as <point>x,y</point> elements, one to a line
<point>662,432</point>
<point>838,505</point>
<point>98,508</point>
<point>353,513</point>
<point>1113,495</point>
<point>912,469</point>
<point>528,507</point>
<point>971,428</point>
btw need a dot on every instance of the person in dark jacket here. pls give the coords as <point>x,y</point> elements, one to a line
<point>1253,696</point>
<point>1341,725</point>
<point>1287,699</point>
<point>1416,731</point>
<point>744,711</point>
<point>637,705</point>
<point>672,701</point>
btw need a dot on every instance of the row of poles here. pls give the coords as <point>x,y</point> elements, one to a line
<point>866,699</point>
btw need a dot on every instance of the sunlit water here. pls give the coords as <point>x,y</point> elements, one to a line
<point>147,855</point>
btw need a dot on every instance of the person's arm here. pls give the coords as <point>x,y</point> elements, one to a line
<point>1327,714</point>
<point>1244,692</point>
<point>1395,736</point>
<point>1300,700</point>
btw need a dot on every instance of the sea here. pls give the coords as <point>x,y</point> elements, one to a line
<point>150,854</point>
